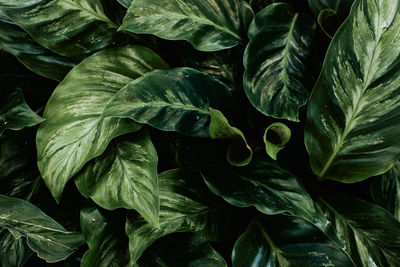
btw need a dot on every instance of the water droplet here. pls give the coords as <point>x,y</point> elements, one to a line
<point>93,219</point>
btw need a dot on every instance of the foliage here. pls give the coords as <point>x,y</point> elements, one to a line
<point>200,133</point>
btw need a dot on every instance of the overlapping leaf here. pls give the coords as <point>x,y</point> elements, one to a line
<point>209,25</point>
<point>124,177</point>
<point>13,251</point>
<point>278,79</point>
<point>370,234</point>
<point>67,27</point>
<point>173,100</point>
<point>44,235</point>
<point>352,128</point>
<point>76,129</point>
<point>340,6</point>
<point>286,241</point>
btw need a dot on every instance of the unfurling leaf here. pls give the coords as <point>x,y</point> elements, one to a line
<point>276,137</point>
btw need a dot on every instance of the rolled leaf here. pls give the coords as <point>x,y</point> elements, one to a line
<point>275,138</point>
<point>124,177</point>
<point>67,27</point>
<point>352,128</point>
<point>340,6</point>
<point>209,25</point>
<point>367,232</point>
<point>45,236</point>
<point>173,100</point>
<point>278,78</point>
<point>76,129</point>
<point>286,241</point>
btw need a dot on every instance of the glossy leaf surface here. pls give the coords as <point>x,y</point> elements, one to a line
<point>385,190</point>
<point>172,100</point>
<point>67,27</point>
<point>239,153</point>
<point>286,241</point>
<point>13,251</point>
<point>125,3</point>
<point>186,206</point>
<point>124,177</point>
<point>106,240</point>
<point>277,79</point>
<point>76,129</point>
<point>44,235</point>
<point>370,234</point>
<point>352,128</point>
<point>209,25</point>
<point>276,136</point>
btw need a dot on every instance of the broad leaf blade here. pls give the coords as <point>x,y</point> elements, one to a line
<point>369,233</point>
<point>278,78</point>
<point>286,241</point>
<point>67,27</point>
<point>352,128</point>
<point>209,25</point>
<point>173,100</point>
<point>76,129</point>
<point>13,251</point>
<point>108,245</point>
<point>186,206</point>
<point>44,235</point>
<point>124,177</point>
<point>125,3</point>
<point>385,190</point>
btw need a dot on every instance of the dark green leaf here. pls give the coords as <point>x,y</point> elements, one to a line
<point>385,190</point>
<point>277,79</point>
<point>44,235</point>
<point>108,245</point>
<point>276,137</point>
<point>239,153</point>
<point>340,6</point>
<point>14,112</point>
<point>67,27</point>
<point>13,251</point>
<point>173,100</point>
<point>352,128</point>
<point>125,3</point>
<point>209,25</point>
<point>286,241</point>
<point>124,177</point>
<point>76,129</point>
<point>186,206</point>
<point>369,233</point>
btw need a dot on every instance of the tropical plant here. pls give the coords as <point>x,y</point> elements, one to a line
<point>200,133</point>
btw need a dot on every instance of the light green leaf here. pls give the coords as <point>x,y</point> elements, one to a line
<point>352,128</point>
<point>276,136</point>
<point>76,129</point>
<point>340,6</point>
<point>13,251</point>
<point>124,177</point>
<point>286,241</point>
<point>385,190</point>
<point>209,25</point>
<point>14,112</point>
<point>16,41</point>
<point>108,244</point>
<point>186,206</point>
<point>44,235</point>
<point>278,77</point>
<point>125,3</point>
<point>172,100</point>
<point>239,153</point>
<point>67,27</point>
<point>367,232</point>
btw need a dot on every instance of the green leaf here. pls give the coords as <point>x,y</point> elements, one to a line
<point>209,25</point>
<point>340,6</point>
<point>108,244</point>
<point>186,206</point>
<point>276,136</point>
<point>67,27</point>
<point>239,153</point>
<point>286,241</point>
<point>16,41</point>
<point>44,235</point>
<point>385,190</point>
<point>277,79</point>
<point>182,249</point>
<point>369,233</point>
<point>13,251</point>
<point>124,177</point>
<point>352,128</point>
<point>76,129</point>
<point>15,114</point>
<point>173,100</point>
<point>125,3</point>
